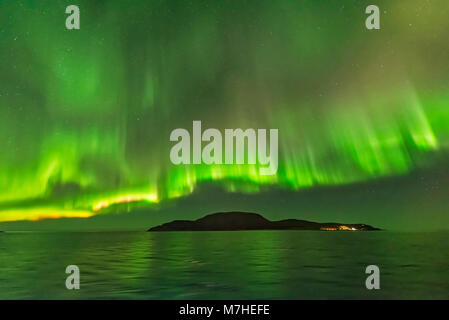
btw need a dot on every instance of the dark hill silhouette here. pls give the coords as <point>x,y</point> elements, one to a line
<point>234,221</point>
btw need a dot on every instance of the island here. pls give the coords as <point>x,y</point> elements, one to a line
<point>239,221</point>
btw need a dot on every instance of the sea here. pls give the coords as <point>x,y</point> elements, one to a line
<point>224,265</point>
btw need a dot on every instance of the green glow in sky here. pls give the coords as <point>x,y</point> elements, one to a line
<point>85,115</point>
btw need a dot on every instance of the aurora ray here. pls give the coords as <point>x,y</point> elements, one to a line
<point>85,115</point>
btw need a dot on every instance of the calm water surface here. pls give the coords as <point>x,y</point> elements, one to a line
<point>224,265</point>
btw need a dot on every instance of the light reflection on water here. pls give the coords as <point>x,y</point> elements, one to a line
<point>224,265</point>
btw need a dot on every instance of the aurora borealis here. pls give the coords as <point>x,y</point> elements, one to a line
<point>85,115</point>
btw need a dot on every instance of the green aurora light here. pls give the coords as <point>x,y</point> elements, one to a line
<point>85,115</point>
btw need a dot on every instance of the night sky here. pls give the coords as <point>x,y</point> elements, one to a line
<point>86,115</point>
